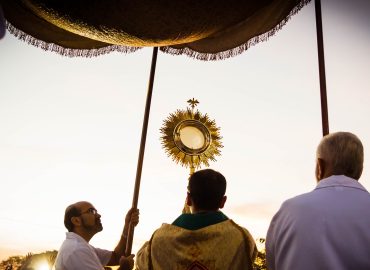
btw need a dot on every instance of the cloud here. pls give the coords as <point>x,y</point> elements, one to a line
<point>255,210</point>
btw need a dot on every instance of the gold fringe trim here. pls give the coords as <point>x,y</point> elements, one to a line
<point>237,50</point>
<point>88,53</point>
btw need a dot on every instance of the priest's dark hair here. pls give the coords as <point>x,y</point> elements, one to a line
<point>207,189</point>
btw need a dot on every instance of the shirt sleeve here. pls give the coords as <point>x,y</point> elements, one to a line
<point>103,255</point>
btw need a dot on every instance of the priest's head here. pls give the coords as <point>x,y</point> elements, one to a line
<point>206,191</point>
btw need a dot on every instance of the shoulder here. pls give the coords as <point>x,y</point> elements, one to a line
<point>246,238</point>
<point>77,250</point>
<point>294,208</point>
<point>231,229</point>
<point>166,230</point>
<point>74,247</point>
<point>69,247</point>
<point>237,228</point>
<point>298,201</point>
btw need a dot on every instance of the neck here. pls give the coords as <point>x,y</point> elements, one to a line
<point>85,235</point>
<point>195,210</point>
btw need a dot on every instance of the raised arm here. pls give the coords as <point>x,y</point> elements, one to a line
<point>132,217</point>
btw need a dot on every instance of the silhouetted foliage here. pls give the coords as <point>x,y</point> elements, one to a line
<point>13,263</point>
<point>260,261</point>
<point>29,262</point>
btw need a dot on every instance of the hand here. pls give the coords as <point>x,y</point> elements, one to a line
<point>126,263</point>
<point>132,217</point>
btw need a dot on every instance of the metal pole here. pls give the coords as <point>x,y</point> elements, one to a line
<point>142,147</point>
<point>320,50</point>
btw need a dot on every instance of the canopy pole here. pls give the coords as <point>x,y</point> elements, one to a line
<point>320,50</point>
<point>142,147</point>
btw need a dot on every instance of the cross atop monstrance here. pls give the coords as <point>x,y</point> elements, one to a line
<point>193,103</point>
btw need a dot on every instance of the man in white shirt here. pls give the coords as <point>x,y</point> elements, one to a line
<point>83,221</point>
<point>329,227</point>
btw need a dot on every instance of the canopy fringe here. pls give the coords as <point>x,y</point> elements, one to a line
<point>237,50</point>
<point>167,49</point>
<point>88,53</point>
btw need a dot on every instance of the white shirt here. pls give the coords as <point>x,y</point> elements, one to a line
<point>328,228</point>
<point>77,254</point>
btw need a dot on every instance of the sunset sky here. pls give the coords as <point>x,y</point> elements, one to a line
<point>70,127</point>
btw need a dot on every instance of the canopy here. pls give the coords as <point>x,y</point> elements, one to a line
<point>204,29</point>
<point>2,24</point>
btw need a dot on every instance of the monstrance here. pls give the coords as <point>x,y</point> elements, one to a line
<point>190,137</point>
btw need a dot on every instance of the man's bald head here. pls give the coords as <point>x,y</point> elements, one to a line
<point>73,210</point>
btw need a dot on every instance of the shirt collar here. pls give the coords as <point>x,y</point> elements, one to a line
<point>72,235</point>
<point>199,220</point>
<point>339,180</point>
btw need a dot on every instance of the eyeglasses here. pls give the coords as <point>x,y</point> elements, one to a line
<point>90,211</point>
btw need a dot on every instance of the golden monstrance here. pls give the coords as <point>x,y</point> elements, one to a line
<point>191,138</point>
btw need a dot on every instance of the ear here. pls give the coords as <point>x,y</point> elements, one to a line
<point>320,169</point>
<point>223,201</point>
<point>76,221</point>
<point>188,200</point>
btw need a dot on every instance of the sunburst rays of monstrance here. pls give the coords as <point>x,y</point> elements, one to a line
<point>190,138</point>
